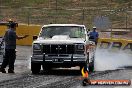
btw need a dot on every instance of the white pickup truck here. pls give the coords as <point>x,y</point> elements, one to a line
<point>62,45</point>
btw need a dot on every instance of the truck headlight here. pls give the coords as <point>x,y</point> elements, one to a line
<point>36,47</point>
<point>80,47</point>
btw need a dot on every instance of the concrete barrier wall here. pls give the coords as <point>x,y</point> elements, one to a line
<point>118,43</point>
<point>27,30</point>
<point>24,30</point>
<point>2,30</point>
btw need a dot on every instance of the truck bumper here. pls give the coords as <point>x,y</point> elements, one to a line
<point>60,60</point>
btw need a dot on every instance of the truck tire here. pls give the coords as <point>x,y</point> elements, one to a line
<point>35,68</point>
<point>81,67</point>
<point>91,66</point>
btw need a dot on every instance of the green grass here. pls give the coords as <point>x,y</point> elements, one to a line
<point>64,3</point>
<point>122,1</point>
<point>18,9</point>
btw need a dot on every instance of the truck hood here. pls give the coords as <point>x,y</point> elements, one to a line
<point>59,39</point>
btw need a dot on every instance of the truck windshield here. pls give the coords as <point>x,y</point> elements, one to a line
<point>71,31</point>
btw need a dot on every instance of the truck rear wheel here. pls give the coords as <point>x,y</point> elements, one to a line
<point>35,68</point>
<point>91,66</point>
<point>81,68</point>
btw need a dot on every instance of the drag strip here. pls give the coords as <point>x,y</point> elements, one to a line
<point>59,78</point>
<point>28,80</point>
<point>42,80</point>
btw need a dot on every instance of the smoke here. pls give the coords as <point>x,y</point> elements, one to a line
<point>106,59</point>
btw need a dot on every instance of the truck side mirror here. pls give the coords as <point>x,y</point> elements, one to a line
<point>35,37</point>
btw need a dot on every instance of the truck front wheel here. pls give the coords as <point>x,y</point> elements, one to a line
<point>35,68</point>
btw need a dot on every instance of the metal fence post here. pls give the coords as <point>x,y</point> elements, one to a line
<point>83,16</point>
<point>56,12</point>
<point>28,16</point>
<point>126,20</point>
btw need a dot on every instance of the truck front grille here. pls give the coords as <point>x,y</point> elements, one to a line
<point>59,49</point>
